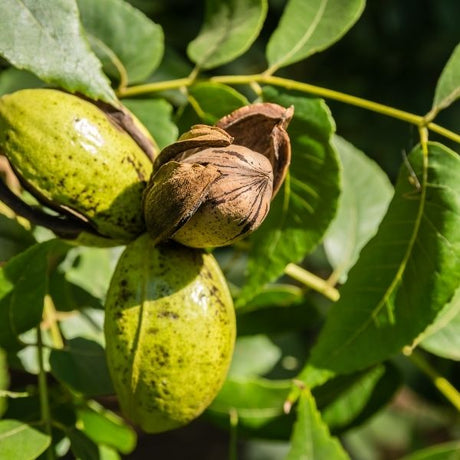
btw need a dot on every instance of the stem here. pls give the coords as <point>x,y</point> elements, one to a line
<point>43,394</point>
<point>50,318</point>
<point>147,88</point>
<point>312,281</point>
<point>233,444</point>
<point>441,383</point>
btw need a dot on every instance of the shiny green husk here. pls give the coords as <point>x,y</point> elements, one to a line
<point>170,331</point>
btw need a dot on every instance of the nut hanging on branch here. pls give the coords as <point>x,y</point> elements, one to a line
<point>214,185</point>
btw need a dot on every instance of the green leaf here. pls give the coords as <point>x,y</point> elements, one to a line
<point>442,338</point>
<point>352,400</point>
<point>125,38</point>
<point>254,355</point>
<point>311,438</point>
<point>14,79</point>
<point>88,323</point>
<point>304,207</point>
<point>366,194</point>
<point>21,441</point>
<point>82,366</point>
<point>256,400</point>
<point>230,27</point>
<point>45,38</point>
<point>279,295</point>
<point>446,451</point>
<point>14,238</point>
<point>208,102</point>
<point>82,446</point>
<point>213,101</point>
<point>104,427</point>
<point>156,115</point>
<point>448,87</point>
<point>405,274</point>
<point>4,380</point>
<point>23,285</point>
<point>91,268</point>
<point>69,296</point>
<point>308,27</point>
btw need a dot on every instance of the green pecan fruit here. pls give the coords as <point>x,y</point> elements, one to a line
<point>170,332</point>
<point>87,161</point>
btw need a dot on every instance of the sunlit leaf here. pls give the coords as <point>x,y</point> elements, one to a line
<point>311,437</point>
<point>445,451</point>
<point>442,338</point>
<point>307,27</point>
<point>125,37</point>
<point>104,427</point>
<point>19,440</point>
<point>306,204</point>
<point>45,37</point>
<point>366,193</point>
<point>230,27</point>
<point>448,87</point>
<point>405,274</point>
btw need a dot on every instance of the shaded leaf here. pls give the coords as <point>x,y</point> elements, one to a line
<point>256,400</point>
<point>14,79</point>
<point>352,399</point>
<point>311,438</point>
<point>230,27</point>
<point>20,440</point>
<point>87,323</point>
<point>448,87</point>
<point>82,366</point>
<point>254,355</point>
<point>82,446</point>
<point>446,451</point>
<point>14,238</point>
<point>45,38</point>
<point>366,194</point>
<point>442,338</point>
<point>279,295</point>
<point>156,115</point>
<point>405,274</point>
<point>23,285</point>
<point>104,427</point>
<point>308,27</point>
<point>124,37</point>
<point>306,204</point>
<point>207,103</point>
<point>69,296</point>
<point>213,101</point>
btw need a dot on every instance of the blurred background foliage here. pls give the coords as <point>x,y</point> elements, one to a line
<point>393,55</point>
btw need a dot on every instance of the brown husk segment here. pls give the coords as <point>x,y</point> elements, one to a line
<point>262,128</point>
<point>249,149</point>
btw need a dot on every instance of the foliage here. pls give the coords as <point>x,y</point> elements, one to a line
<point>319,352</point>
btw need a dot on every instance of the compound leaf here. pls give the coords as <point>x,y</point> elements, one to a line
<point>405,275</point>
